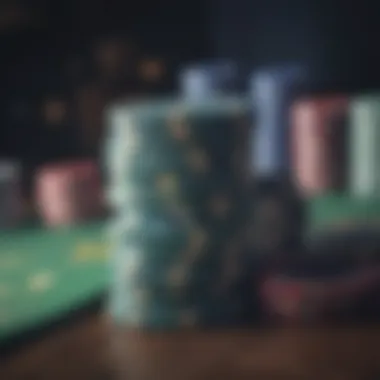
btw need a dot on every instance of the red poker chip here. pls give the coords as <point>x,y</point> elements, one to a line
<point>282,298</point>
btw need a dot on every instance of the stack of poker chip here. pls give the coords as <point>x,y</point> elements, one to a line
<point>68,194</point>
<point>10,194</point>
<point>176,182</point>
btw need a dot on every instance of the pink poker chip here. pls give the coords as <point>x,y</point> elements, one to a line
<point>318,141</point>
<point>69,193</point>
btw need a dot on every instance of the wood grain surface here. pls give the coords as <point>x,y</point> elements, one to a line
<point>92,349</point>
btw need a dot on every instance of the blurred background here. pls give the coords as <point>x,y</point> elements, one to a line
<point>63,62</point>
<point>333,40</point>
<point>60,59</point>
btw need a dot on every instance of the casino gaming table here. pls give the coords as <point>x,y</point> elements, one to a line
<point>46,274</point>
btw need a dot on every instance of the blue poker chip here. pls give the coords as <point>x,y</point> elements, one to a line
<point>272,91</point>
<point>208,79</point>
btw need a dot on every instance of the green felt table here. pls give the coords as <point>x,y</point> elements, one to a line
<point>47,273</point>
<point>339,209</point>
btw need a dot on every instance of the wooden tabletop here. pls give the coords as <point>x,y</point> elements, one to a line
<point>92,349</point>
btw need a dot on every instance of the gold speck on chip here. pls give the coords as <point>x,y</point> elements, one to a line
<point>198,161</point>
<point>198,239</point>
<point>197,242</point>
<point>167,184</point>
<point>178,126</point>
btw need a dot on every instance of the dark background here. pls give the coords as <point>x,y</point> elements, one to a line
<point>335,39</point>
<point>35,56</point>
